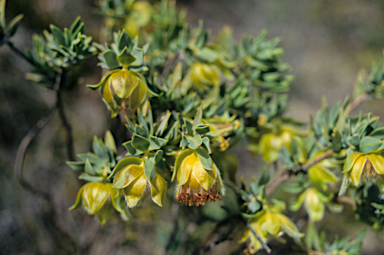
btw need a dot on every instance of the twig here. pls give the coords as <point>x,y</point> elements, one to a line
<point>19,52</point>
<point>358,101</point>
<point>167,68</point>
<point>168,65</point>
<point>21,154</point>
<point>284,173</point>
<point>63,117</point>
<point>222,238</point>
<point>346,200</point>
<point>265,246</point>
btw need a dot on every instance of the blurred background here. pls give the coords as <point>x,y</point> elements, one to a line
<point>325,42</point>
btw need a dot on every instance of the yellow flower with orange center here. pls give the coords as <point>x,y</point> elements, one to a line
<point>198,183</point>
<point>363,166</point>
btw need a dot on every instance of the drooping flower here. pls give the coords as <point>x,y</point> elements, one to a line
<point>204,75</point>
<point>136,186</point>
<point>314,202</point>
<point>269,223</point>
<point>198,182</point>
<point>271,143</point>
<point>320,173</point>
<point>99,198</point>
<point>122,89</point>
<point>363,166</point>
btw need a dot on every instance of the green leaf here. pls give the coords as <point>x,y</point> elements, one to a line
<point>76,26</point>
<point>369,144</point>
<point>88,168</point>
<point>95,160</point>
<point>264,178</point>
<point>125,58</point>
<point>129,147</point>
<point>14,24</point>
<point>139,130</point>
<point>100,149</point>
<point>149,169</point>
<point>158,156</point>
<point>76,166</point>
<point>194,142</point>
<point>198,117</point>
<point>124,41</point>
<point>89,178</point>
<point>207,144</point>
<point>110,59</point>
<point>140,143</point>
<point>138,54</point>
<point>204,158</point>
<point>110,141</point>
<point>124,163</point>
<point>378,133</point>
<point>163,124</point>
<point>202,129</point>
<point>336,143</point>
<point>156,143</point>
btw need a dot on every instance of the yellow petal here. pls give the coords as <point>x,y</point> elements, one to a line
<point>314,206</point>
<point>78,203</point>
<point>271,224</point>
<point>288,227</point>
<point>94,196</point>
<point>138,95</point>
<point>210,74</point>
<point>357,169</point>
<point>184,172</point>
<point>350,161</point>
<point>135,190</point>
<point>127,175</point>
<point>204,177</point>
<point>377,162</point>
<point>158,189</point>
<point>123,82</point>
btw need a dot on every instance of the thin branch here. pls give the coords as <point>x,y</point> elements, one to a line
<point>19,52</point>
<point>222,238</point>
<point>169,64</point>
<point>284,173</point>
<point>265,246</point>
<point>20,155</point>
<point>63,117</point>
<point>358,101</point>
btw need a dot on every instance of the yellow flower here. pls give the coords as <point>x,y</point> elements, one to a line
<point>269,223</point>
<point>135,185</point>
<point>94,195</point>
<point>140,16</point>
<point>321,174</point>
<point>122,89</point>
<point>271,143</point>
<point>197,184</point>
<point>314,203</point>
<point>204,75</point>
<point>363,166</point>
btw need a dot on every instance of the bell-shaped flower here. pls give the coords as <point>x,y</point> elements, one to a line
<point>271,143</point>
<point>130,178</point>
<point>268,223</point>
<point>97,197</point>
<point>314,203</point>
<point>363,166</point>
<point>199,179</point>
<point>204,75</point>
<point>122,89</point>
<point>321,174</point>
